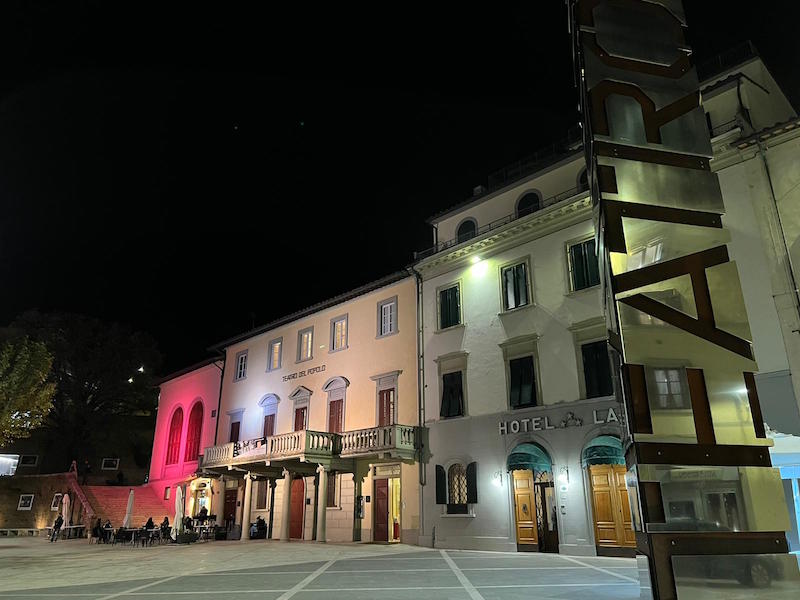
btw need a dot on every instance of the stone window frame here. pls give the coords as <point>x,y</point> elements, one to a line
<point>232,418</point>
<point>270,367</point>
<point>346,318</point>
<point>56,504</point>
<point>520,347</point>
<point>103,466</point>
<point>35,462</point>
<point>450,363</point>
<point>586,332</point>
<point>301,397</point>
<point>300,344</point>
<point>568,264</point>
<point>331,388</point>
<point>269,406</point>
<point>528,282</point>
<point>395,328</point>
<point>20,502</point>
<point>236,366</point>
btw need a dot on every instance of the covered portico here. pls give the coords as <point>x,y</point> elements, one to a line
<point>281,459</point>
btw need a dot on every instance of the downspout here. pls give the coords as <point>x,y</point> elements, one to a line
<point>420,395</point>
<point>790,268</point>
<point>219,399</point>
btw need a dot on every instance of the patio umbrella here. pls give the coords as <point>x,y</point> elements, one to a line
<point>126,522</point>
<point>65,508</point>
<point>177,524</point>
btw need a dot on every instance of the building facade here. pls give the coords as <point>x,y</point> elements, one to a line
<point>318,422</point>
<point>185,425</point>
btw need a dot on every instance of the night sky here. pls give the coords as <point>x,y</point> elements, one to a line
<point>192,170</point>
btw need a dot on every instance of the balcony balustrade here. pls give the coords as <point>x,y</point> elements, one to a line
<point>393,440</point>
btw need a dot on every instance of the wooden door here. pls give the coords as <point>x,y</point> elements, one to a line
<point>269,425</point>
<point>230,506</point>
<point>612,514</point>
<point>335,416</point>
<point>234,432</point>
<point>381,510</point>
<point>300,418</point>
<point>525,508</point>
<point>385,407</point>
<point>297,509</point>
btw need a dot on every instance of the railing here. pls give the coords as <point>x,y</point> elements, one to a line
<point>311,444</point>
<point>500,222</point>
<point>218,455</point>
<point>88,510</point>
<point>378,439</point>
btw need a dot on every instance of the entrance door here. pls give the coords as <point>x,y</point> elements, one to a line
<point>297,509</point>
<point>525,509</point>
<point>381,510</point>
<point>547,516</point>
<point>230,507</point>
<point>612,512</point>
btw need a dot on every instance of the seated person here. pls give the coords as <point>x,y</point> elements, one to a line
<point>202,515</point>
<point>150,524</point>
<point>258,529</point>
<point>107,530</point>
<point>188,523</point>
<point>165,526</point>
<point>97,530</point>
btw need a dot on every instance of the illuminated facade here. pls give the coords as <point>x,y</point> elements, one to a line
<point>318,421</point>
<point>185,425</point>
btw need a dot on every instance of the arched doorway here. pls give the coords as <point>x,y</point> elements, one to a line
<point>613,529</point>
<point>297,509</point>
<point>535,506</point>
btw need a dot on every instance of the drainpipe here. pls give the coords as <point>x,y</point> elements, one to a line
<point>420,393</point>
<point>219,399</point>
<point>792,279</point>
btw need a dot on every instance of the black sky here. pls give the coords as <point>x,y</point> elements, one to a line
<point>190,169</point>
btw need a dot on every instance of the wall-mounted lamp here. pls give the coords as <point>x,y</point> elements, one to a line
<point>563,478</point>
<point>497,478</point>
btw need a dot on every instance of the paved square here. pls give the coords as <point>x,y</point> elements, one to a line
<point>32,568</point>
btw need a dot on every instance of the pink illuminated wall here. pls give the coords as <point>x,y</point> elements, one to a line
<point>196,394</point>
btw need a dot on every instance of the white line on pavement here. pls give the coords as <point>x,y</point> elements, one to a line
<point>600,569</point>
<point>473,593</point>
<point>299,586</point>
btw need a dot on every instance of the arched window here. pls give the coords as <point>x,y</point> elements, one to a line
<point>336,387</point>
<point>193,433</point>
<point>466,230</point>
<point>174,443</point>
<point>528,203</point>
<point>457,487</point>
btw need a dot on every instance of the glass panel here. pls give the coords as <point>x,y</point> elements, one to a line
<point>578,271</point>
<point>650,242</point>
<point>751,576</point>
<point>727,301</point>
<point>676,293</point>
<point>715,498</point>
<point>521,284</point>
<point>730,407</point>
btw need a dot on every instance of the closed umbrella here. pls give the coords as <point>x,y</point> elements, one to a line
<point>65,508</point>
<point>177,524</point>
<point>126,522</point>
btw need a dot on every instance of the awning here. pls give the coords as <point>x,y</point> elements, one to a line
<point>529,456</point>
<point>603,450</point>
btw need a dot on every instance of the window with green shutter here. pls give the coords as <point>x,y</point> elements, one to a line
<point>452,395</point>
<point>596,369</point>
<point>515,286</point>
<point>449,307</point>
<point>583,270</point>
<point>522,382</point>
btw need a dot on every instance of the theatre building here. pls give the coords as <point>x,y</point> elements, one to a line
<point>318,420</point>
<point>525,448</point>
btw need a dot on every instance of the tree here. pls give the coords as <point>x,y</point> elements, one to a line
<point>101,371</point>
<point>26,395</point>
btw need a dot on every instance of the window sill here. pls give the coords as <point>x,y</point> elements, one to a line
<point>582,291</point>
<point>459,418</point>
<point>451,328</point>
<point>302,360</point>
<point>380,336</point>
<point>469,515</point>
<point>333,508</point>
<point>503,313</point>
<point>236,380</point>
<point>338,350</point>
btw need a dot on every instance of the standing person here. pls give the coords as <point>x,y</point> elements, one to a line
<point>56,528</point>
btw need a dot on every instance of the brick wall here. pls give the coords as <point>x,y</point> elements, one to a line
<point>43,488</point>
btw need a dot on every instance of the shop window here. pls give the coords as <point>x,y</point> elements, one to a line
<point>174,440</point>
<point>522,392</point>
<point>514,280</point>
<point>596,369</point>
<point>457,487</point>
<point>582,261</point>
<point>193,433</point>
<point>450,306</point>
<point>452,395</point>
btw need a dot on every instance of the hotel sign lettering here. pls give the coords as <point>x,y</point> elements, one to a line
<point>599,416</point>
<point>672,296</point>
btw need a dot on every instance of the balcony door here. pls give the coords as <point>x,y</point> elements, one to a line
<point>386,407</point>
<point>269,425</point>
<point>335,416</point>
<point>300,418</point>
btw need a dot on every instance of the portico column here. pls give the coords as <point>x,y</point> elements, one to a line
<point>248,487</point>
<point>359,474</point>
<point>322,503</point>
<point>287,492</point>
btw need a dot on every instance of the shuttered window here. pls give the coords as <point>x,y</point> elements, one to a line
<point>269,425</point>
<point>234,431</point>
<point>386,407</point>
<point>522,377</point>
<point>596,369</point>
<point>515,286</point>
<point>457,487</point>
<point>452,395</point>
<point>174,441</point>
<point>335,414</point>
<point>583,268</point>
<point>449,307</point>
<point>193,432</point>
